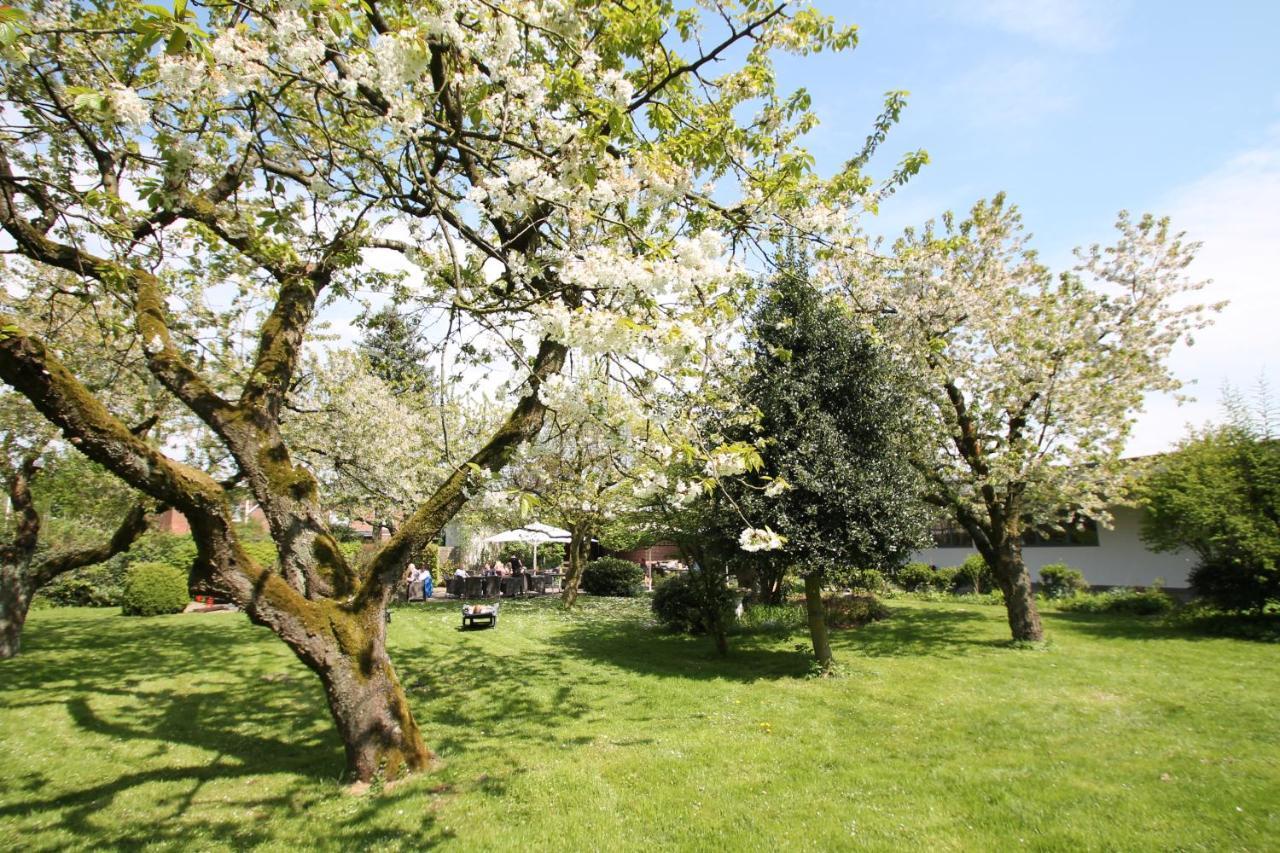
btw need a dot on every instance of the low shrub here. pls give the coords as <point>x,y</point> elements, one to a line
<point>613,576</point>
<point>92,586</point>
<point>151,589</point>
<point>1058,580</point>
<point>1235,588</point>
<point>994,598</point>
<point>976,574</point>
<point>689,603</point>
<point>944,580</point>
<point>853,611</point>
<point>869,580</point>
<point>103,585</point>
<point>262,553</point>
<point>914,577</point>
<point>1202,617</point>
<point>1149,602</point>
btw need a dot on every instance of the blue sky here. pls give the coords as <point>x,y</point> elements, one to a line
<point>1077,109</point>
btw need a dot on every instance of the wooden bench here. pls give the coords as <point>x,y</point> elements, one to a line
<point>473,614</point>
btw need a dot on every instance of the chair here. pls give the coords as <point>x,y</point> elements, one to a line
<point>538,584</point>
<point>491,586</point>
<point>514,585</point>
<point>453,586</point>
<point>473,587</point>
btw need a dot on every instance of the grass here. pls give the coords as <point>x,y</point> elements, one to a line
<point>592,731</point>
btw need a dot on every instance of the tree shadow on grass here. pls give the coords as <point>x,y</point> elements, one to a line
<point>1264,629</point>
<point>916,632</point>
<point>140,688</point>
<point>642,648</point>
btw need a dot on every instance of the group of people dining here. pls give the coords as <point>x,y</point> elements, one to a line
<point>421,585</point>
<point>495,568</point>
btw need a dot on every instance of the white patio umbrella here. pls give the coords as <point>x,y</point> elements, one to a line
<point>534,534</point>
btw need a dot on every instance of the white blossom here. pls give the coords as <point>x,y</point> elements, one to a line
<point>128,106</point>
<point>756,539</point>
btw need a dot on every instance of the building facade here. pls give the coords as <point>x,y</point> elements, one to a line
<point>1108,557</point>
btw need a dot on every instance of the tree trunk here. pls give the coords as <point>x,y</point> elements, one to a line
<point>817,620</point>
<point>772,584</point>
<point>712,582</point>
<point>368,705</point>
<point>1019,600</point>
<point>579,542</point>
<point>15,599</point>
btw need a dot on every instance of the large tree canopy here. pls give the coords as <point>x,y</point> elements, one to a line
<point>1032,382</point>
<point>537,176</point>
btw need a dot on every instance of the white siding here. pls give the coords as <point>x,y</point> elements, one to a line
<point>1119,558</point>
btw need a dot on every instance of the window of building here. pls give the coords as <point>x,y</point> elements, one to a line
<point>948,534</point>
<point>1080,532</point>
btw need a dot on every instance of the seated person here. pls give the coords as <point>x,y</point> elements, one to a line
<point>414,582</point>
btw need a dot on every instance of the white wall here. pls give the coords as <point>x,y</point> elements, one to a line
<point>1119,558</point>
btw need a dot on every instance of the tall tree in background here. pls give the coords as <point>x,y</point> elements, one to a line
<point>540,166</point>
<point>835,437</point>
<point>394,347</point>
<point>1032,383</point>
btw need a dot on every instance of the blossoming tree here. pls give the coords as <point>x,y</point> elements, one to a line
<point>543,172</point>
<point>1031,383</point>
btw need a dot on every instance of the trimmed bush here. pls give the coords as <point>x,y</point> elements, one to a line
<point>151,589</point>
<point>613,576</point>
<point>1058,580</point>
<point>676,605</point>
<point>914,577</point>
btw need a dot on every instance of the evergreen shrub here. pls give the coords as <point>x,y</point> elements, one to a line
<point>914,577</point>
<point>975,572</point>
<point>1058,580</point>
<point>152,589</point>
<point>613,576</point>
<point>689,602</point>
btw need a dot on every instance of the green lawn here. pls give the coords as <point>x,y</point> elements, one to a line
<point>595,732</point>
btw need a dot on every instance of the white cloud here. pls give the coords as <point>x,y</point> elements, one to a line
<point>1235,211</point>
<point>1077,25</point>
